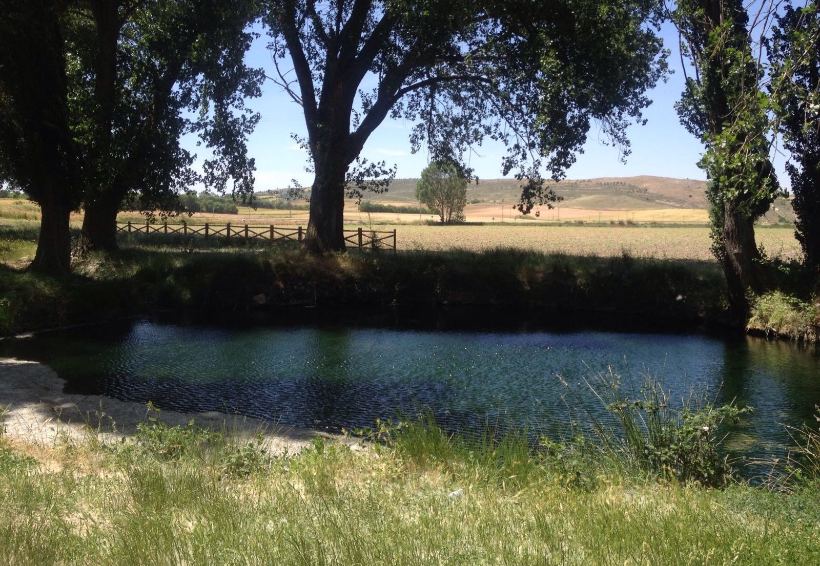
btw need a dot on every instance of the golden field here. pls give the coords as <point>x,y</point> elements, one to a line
<point>688,238</point>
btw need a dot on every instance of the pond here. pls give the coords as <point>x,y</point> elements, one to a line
<point>332,377</point>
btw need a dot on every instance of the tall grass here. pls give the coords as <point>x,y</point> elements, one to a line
<point>780,314</point>
<point>653,435</point>
<point>168,495</point>
<point>802,463</point>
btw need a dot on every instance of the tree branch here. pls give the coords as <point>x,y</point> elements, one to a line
<point>300,64</point>
<point>284,83</point>
<point>317,23</point>
<point>439,80</point>
<point>352,31</point>
<point>371,48</point>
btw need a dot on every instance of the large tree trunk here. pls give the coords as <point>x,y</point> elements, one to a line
<point>99,232</point>
<point>739,260</point>
<point>325,231</point>
<point>807,208</point>
<point>53,255</point>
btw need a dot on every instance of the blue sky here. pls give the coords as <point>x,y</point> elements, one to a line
<point>662,147</point>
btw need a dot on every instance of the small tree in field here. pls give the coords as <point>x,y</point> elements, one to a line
<point>443,189</point>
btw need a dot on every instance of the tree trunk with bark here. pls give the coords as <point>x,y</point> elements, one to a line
<point>99,231</point>
<point>740,260</point>
<point>53,255</point>
<point>325,231</point>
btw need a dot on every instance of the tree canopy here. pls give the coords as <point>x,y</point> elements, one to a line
<point>533,75</point>
<point>794,52</point>
<point>38,152</point>
<point>96,96</point>
<point>142,76</point>
<point>724,106</point>
<point>443,189</point>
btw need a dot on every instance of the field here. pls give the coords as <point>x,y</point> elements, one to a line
<point>618,231</point>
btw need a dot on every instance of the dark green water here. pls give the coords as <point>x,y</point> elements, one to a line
<point>347,377</point>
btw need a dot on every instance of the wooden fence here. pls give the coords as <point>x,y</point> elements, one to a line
<point>360,238</point>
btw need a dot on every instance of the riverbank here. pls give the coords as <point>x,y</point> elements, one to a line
<point>35,410</point>
<point>270,282</point>
<point>164,491</point>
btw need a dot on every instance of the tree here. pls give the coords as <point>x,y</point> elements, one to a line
<point>144,74</point>
<point>443,189</point>
<point>531,74</point>
<point>723,105</point>
<point>37,149</point>
<point>795,91</point>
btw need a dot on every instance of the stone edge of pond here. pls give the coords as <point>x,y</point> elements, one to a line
<point>35,410</point>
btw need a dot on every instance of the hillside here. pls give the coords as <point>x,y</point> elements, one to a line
<point>611,194</point>
<point>614,193</point>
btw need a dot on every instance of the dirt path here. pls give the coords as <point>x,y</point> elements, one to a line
<point>34,410</point>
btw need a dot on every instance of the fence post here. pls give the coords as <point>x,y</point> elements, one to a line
<point>166,226</point>
<point>228,231</point>
<point>129,226</point>
<point>373,239</point>
<point>271,232</point>
<point>394,239</point>
<point>184,228</point>
<point>206,229</point>
<point>246,231</point>
<point>146,226</point>
<point>360,238</point>
<point>299,234</point>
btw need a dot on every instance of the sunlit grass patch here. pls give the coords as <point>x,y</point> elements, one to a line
<point>779,314</point>
<point>328,504</point>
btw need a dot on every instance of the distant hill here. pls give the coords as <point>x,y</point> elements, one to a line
<point>644,192</point>
<point>627,193</point>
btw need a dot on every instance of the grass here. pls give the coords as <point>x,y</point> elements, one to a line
<point>780,314</point>
<point>186,495</point>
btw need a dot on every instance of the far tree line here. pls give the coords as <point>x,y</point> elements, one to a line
<point>96,95</point>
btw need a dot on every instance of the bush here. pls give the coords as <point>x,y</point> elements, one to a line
<point>368,206</point>
<point>681,444</point>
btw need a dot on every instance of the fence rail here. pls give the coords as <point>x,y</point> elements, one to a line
<point>360,238</point>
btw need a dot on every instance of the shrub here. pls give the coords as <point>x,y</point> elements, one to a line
<point>369,206</point>
<point>242,460</point>
<point>682,444</point>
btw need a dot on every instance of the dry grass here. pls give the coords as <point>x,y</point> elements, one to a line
<point>217,500</point>
<point>672,241</point>
<point>644,241</point>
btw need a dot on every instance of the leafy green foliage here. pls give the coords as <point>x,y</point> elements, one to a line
<point>532,75</point>
<point>794,53</point>
<point>443,189</point>
<point>173,442</point>
<point>725,108</point>
<point>681,444</point>
<point>177,69</point>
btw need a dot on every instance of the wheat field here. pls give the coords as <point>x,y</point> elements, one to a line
<point>625,234</point>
